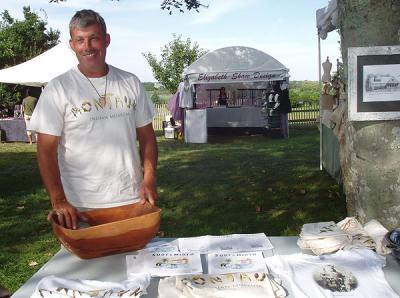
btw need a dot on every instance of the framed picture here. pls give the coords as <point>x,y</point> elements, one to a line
<point>374,83</point>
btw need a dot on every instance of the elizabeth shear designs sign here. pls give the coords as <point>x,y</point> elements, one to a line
<point>237,76</point>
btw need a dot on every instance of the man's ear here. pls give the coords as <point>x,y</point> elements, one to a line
<point>71,44</point>
<point>108,39</point>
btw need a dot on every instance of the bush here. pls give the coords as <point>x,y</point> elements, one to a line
<point>304,90</point>
<point>155,97</point>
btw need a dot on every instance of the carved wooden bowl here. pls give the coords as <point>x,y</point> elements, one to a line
<point>111,231</point>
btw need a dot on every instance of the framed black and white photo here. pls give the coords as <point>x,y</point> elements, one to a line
<point>374,83</point>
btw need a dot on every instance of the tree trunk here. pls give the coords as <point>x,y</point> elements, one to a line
<point>370,156</point>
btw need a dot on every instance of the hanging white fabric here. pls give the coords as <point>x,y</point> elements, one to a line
<point>327,19</point>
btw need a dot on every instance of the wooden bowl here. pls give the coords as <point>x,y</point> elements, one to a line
<point>111,231</point>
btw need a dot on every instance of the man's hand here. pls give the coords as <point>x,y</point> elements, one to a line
<point>148,191</point>
<point>67,215</point>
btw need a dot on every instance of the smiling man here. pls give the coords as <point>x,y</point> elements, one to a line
<point>88,120</point>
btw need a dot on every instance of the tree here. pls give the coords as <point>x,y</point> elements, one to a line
<point>175,57</point>
<point>369,151</point>
<point>19,42</point>
<point>177,4</point>
<point>304,91</point>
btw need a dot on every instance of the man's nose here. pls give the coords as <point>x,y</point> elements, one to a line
<point>87,44</point>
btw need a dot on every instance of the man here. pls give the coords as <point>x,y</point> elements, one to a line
<point>88,120</point>
<point>27,107</point>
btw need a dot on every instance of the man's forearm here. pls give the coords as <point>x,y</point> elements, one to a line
<point>150,156</point>
<point>148,151</point>
<point>48,166</point>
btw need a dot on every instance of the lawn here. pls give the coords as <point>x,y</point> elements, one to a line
<point>242,184</point>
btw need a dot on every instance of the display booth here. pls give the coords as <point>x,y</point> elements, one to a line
<point>237,89</point>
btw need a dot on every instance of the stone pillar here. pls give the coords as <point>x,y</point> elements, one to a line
<point>370,152</point>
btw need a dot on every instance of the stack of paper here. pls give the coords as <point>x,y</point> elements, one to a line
<point>226,243</point>
<point>159,246</point>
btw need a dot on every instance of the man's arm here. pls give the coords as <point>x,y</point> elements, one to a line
<point>49,170</point>
<point>149,155</point>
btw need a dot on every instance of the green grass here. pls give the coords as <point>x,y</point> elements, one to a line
<point>243,184</point>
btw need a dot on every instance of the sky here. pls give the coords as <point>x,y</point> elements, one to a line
<point>284,29</point>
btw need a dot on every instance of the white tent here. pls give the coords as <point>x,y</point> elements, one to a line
<point>245,73</point>
<point>41,69</point>
<point>235,64</point>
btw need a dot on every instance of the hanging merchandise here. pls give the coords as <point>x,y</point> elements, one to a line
<point>185,95</point>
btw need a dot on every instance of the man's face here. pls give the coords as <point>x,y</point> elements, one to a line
<point>89,45</point>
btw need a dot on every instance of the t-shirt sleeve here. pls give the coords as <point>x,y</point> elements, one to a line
<point>48,116</point>
<point>145,110</point>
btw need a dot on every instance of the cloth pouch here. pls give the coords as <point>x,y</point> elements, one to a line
<point>360,238</point>
<point>322,237</point>
<point>377,232</point>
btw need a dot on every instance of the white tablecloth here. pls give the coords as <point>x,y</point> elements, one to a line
<point>235,117</point>
<point>195,125</point>
<point>113,268</point>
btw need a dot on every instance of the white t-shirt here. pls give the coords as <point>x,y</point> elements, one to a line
<point>232,285</point>
<point>97,154</point>
<point>351,273</point>
<point>57,287</point>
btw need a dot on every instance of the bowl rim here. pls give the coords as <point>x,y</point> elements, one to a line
<point>155,213</point>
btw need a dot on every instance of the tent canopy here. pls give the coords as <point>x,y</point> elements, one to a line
<point>235,64</point>
<point>41,69</point>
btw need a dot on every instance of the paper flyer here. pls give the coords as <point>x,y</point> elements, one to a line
<point>226,243</point>
<point>164,264</point>
<point>158,247</point>
<point>221,263</point>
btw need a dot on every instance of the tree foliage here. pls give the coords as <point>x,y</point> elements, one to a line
<point>175,57</point>
<point>19,42</point>
<point>302,91</point>
<point>179,4</point>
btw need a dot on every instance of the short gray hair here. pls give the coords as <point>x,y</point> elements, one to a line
<point>87,17</point>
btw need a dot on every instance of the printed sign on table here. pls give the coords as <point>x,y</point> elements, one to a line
<point>220,263</point>
<point>164,264</point>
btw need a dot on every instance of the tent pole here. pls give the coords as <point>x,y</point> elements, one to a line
<point>320,111</point>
